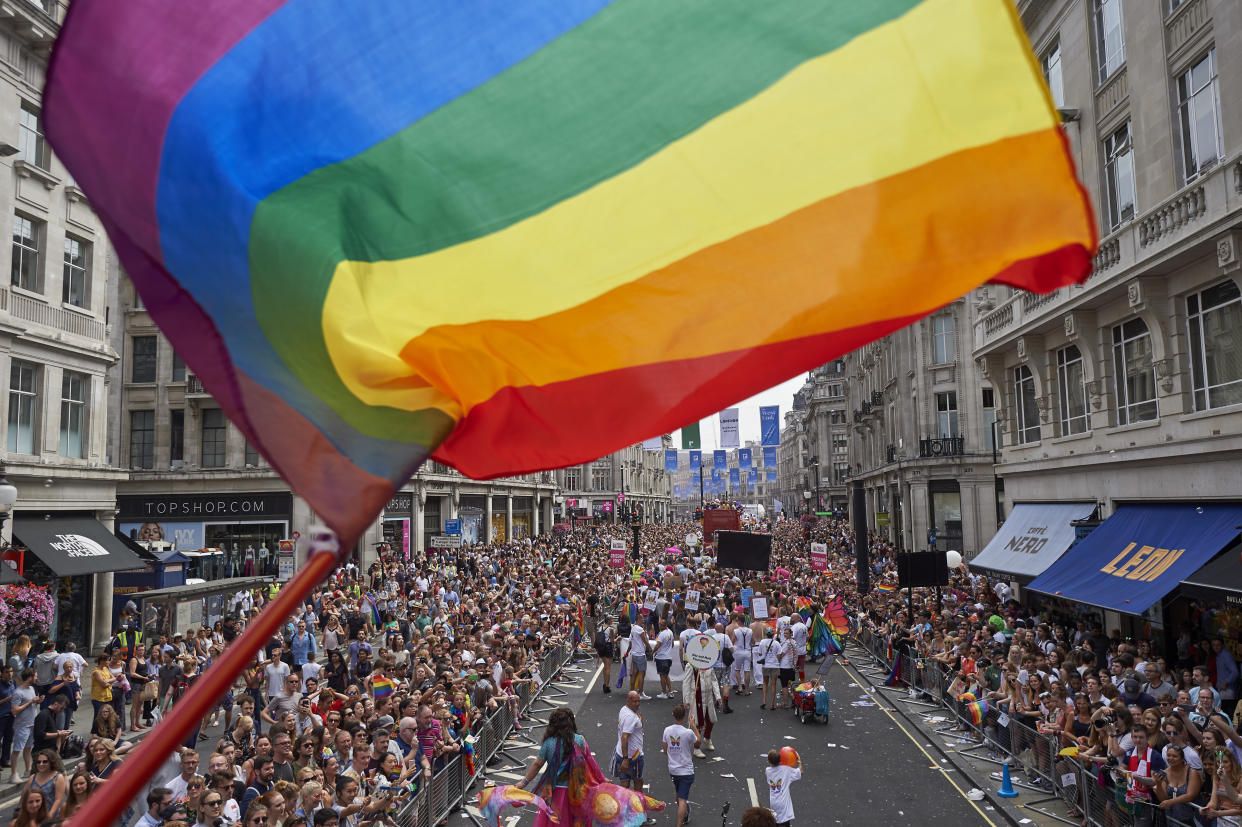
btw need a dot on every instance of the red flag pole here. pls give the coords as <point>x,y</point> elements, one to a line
<point>140,766</point>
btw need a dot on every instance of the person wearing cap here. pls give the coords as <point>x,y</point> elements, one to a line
<point>1132,694</point>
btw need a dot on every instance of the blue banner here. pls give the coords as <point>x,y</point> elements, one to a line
<point>753,476</point>
<point>734,477</point>
<point>721,461</point>
<point>743,457</point>
<point>770,425</point>
<point>769,457</point>
<point>771,476</point>
<point>715,475</point>
<point>696,460</point>
<point>1139,555</point>
<point>670,459</point>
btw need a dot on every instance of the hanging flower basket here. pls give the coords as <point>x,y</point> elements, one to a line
<point>25,610</point>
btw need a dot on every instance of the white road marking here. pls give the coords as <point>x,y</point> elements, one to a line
<point>754,796</point>
<point>594,678</point>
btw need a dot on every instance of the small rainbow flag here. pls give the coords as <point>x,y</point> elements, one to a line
<point>968,697</point>
<point>977,711</point>
<point>382,687</point>
<point>886,587</point>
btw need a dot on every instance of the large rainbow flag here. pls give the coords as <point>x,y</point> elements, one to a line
<point>484,231</point>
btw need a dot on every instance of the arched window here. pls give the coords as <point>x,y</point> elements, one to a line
<point>1024,403</point>
<point>1071,391</point>
<point>1135,378</point>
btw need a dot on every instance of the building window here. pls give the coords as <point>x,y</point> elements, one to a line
<point>944,349</point>
<point>1025,403</point>
<point>840,472</point>
<point>1214,317</point>
<point>142,439</point>
<point>1071,391</point>
<point>27,241</point>
<point>840,443</point>
<point>1052,73</point>
<point>1110,38</point>
<point>834,389</point>
<point>573,478</point>
<point>31,145</point>
<point>946,413</point>
<point>601,477</point>
<point>1136,380</point>
<point>214,438</point>
<point>76,281</point>
<point>145,351</point>
<point>252,455</point>
<point>23,405</point>
<point>1174,4</point>
<point>178,369</point>
<point>1198,117</point>
<point>176,435</point>
<point>73,388</point>
<point>988,398</point>
<point>1119,176</point>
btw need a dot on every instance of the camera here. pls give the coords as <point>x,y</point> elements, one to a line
<point>1104,721</point>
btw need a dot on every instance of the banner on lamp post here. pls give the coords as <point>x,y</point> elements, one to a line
<point>770,425</point>
<point>690,437</point>
<point>819,556</point>
<point>720,461</point>
<point>743,457</point>
<point>656,443</point>
<point>670,460</point>
<point>729,437</point>
<point>696,460</point>
<point>769,457</point>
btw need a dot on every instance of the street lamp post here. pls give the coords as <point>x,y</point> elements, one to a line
<point>814,463</point>
<point>8,498</point>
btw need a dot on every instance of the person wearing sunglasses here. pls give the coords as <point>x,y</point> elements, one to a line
<point>210,808</point>
<point>256,815</point>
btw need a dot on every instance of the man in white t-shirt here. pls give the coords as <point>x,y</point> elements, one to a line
<point>639,646</point>
<point>800,635</point>
<point>680,742</point>
<point>742,644</point>
<point>664,659</point>
<point>627,762</point>
<point>779,779</point>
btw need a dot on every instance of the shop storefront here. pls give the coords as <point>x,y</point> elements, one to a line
<point>247,528</point>
<point>1034,536</point>
<point>67,552</point>
<point>398,515</point>
<point>472,515</point>
<point>1136,564</point>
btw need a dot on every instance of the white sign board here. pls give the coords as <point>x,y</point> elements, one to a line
<point>446,541</point>
<point>692,600</point>
<point>692,539</point>
<point>702,651</point>
<point>617,545</point>
<point>284,567</point>
<point>650,602</point>
<point>759,608</point>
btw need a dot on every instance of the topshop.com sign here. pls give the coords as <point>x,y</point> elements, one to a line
<point>204,505</point>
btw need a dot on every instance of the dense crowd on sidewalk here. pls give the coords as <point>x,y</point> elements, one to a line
<point>385,674</point>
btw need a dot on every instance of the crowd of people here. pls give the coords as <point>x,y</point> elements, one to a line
<point>385,675</point>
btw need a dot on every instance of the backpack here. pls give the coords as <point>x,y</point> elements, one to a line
<point>624,628</point>
<point>602,643</point>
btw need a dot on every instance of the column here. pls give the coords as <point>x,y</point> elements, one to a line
<point>920,519</point>
<point>487,516</point>
<point>101,612</point>
<point>534,515</point>
<point>416,523</point>
<point>968,494</point>
<point>508,517</point>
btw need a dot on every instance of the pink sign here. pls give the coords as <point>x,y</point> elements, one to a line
<point>819,556</point>
<point>570,502</point>
<point>405,540</point>
<point>616,558</point>
<point>621,497</point>
<point>607,507</point>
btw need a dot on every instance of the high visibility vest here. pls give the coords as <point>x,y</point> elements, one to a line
<point>127,644</point>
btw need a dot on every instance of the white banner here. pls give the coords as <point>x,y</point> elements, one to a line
<point>728,428</point>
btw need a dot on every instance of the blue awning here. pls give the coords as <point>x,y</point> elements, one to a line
<point>1140,554</point>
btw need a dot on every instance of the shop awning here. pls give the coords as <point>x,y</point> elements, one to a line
<point>1032,539</point>
<point>75,545</point>
<point>1219,580</point>
<point>1140,554</point>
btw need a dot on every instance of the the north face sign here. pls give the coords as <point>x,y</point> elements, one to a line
<point>75,545</point>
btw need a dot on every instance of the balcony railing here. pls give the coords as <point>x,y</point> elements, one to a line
<point>945,446</point>
<point>32,310</point>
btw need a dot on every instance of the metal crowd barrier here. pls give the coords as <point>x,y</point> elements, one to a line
<point>1004,739</point>
<point>449,786</point>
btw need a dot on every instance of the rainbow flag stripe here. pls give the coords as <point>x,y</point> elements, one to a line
<point>382,687</point>
<point>886,587</point>
<point>485,231</point>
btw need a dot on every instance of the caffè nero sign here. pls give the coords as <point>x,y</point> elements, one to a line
<point>204,506</point>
